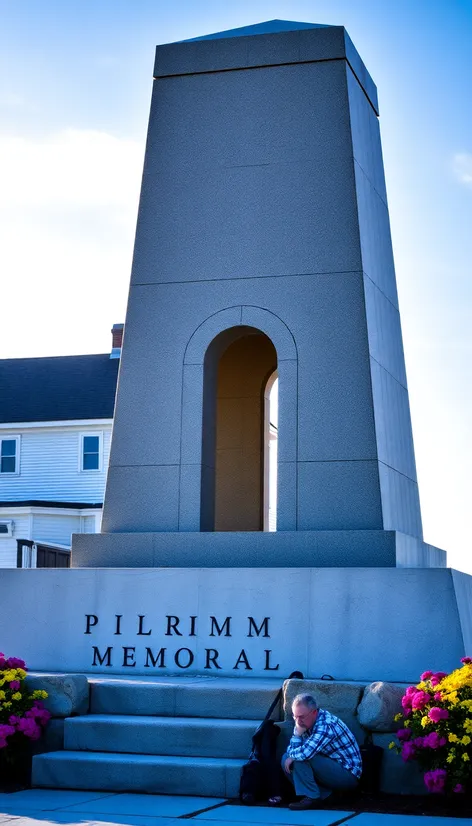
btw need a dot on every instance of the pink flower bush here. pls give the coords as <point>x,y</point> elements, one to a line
<point>28,727</point>
<point>408,751</point>
<point>420,700</point>
<point>5,731</point>
<point>14,662</point>
<point>436,714</point>
<point>408,697</point>
<point>433,741</point>
<point>436,678</point>
<point>435,781</point>
<point>11,662</point>
<point>40,714</point>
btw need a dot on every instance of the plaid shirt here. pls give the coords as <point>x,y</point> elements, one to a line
<point>331,737</point>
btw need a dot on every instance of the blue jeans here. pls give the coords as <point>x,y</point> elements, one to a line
<point>317,777</point>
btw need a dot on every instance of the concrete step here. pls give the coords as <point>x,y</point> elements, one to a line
<point>201,776</point>
<point>241,699</point>
<point>187,737</point>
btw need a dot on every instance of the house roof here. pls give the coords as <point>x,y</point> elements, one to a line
<point>47,503</point>
<point>60,388</point>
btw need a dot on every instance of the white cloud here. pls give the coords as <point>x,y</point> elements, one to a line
<point>463,167</point>
<point>68,208</point>
<point>78,168</point>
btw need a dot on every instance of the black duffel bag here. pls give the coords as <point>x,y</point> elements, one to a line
<point>372,757</point>
<point>262,776</point>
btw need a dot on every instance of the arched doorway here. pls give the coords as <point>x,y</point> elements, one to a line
<point>238,364</point>
<point>198,414</point>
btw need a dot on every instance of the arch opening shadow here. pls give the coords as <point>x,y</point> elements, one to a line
<point>239,364</point>
<point>271,410</point>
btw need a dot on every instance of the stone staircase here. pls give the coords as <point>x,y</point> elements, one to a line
<point>183,736</point>
<point>191,735</point>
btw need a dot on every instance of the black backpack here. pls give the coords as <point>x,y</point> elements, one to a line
<point>262,776</point>
<point>372,757</point>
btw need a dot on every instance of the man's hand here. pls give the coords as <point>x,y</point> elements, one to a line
<point>287,765</point>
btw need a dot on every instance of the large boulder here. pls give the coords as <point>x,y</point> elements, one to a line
<point>68,694</point>
<point>339,698</point>
<point>379,705</point>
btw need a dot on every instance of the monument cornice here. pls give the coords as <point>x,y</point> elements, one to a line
<point>258,51</point>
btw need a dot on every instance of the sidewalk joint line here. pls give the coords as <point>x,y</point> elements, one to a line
<point>201,811</point>
<point>66,809</point>
<point>344,819</point>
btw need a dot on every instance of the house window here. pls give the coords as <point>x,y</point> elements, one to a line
<point>10,455</point>
<point>6,528</point>
<point>91,451</point>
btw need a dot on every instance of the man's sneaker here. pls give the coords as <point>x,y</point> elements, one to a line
<point>306,803</point>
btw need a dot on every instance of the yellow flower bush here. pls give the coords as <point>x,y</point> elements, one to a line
<point>22,713</point>
<point>437,712</point>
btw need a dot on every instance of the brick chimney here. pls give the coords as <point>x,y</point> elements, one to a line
<point>116,340</point>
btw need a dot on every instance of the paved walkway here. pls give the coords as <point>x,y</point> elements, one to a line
<point>41,807</point>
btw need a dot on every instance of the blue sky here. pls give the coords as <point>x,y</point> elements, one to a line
<point>75,84</point>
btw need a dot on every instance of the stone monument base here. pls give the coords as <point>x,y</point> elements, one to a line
<point>352,623</point>
<point>162,642</point>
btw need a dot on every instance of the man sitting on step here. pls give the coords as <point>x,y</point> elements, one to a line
<point>322,756</point>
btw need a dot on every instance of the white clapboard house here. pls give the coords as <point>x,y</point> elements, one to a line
<point>56,417</point>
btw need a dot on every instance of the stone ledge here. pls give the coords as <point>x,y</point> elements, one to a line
<point>227,549</point>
